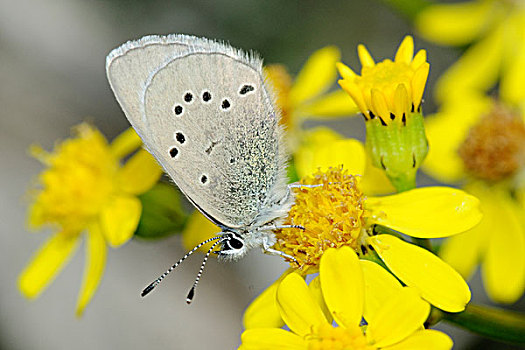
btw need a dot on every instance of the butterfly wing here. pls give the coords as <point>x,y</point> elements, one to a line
<point>129,66</point>
<point>209,119</point>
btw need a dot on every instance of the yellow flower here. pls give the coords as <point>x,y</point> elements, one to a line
<point>307,96</point>
<point>477,136</point>
<point>84,189</point>
<point>388,90</point>
<point>389,95</point>
<point>337,214</point>
<point>394,321</point>
<point>481,142</point>
<point>495,30</point>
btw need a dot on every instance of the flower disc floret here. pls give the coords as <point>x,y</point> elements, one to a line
<point>494,148</point>
<point>330,206</point>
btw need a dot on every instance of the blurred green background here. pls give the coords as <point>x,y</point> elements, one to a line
<point>52,57</point>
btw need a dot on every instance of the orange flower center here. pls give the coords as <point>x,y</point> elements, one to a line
<point>494,149</point>
<point>332,214</point>
<point>328,338</point>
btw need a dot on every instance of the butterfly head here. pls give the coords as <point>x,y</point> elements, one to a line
<point>232,246</point>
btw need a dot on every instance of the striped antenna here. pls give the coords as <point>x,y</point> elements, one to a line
<point>191,293</point>
<point>161,277</point>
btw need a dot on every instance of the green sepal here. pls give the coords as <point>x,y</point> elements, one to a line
<point>162,212</point>
<point>398,147</point>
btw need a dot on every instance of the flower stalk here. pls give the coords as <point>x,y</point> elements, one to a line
<point>490,322</point>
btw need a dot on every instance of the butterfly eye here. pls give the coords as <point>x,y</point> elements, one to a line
<point>234,243</point>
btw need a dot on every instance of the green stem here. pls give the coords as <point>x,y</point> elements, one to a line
<point>402,184</point>
<point>491,322</point>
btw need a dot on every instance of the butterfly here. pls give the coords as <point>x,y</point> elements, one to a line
<point>206,112</point>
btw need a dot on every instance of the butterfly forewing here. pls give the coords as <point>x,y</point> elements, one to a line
<point>129,66</point>
<point>213,127</point>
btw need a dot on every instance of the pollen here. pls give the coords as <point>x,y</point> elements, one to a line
<point>330,206</point>
<point>494,149</point>
<point>327,337</point>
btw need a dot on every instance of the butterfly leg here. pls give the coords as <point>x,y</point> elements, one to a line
<point>268,250</point>
<point>298,185</point>
<point>277,227</point>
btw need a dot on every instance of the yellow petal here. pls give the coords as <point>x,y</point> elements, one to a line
<point>364,56</point>
<point>271,338</point>
<point>263,311</point>
<point>342,285</point>
<point>297,305</point>
<point>419,59</point>
<point>94,269</point>
<point>453,24</point>
<point>335,104</point>
<point>401,101</point>
<point>316,76</point>
<point>349,153</point>
<point>503,268</point>
<point>463,251</point>
<point>403,313</point>
<point>511,87</point>
<point>379,105</point>
<point>125,143</point>
<point>437,282</point>
<point>427,339</point>
<point>198,229</point>
<point>120,218</point>
<point>356,94</point>
<point>345,71</point>
<point>315,289</point>
<point>477,69</point>
<point>418,84</point>
<point>48,261</point>
<point>428,212</point>
<point>379,286</point>
<point>140,173</point>
<point>405,53</point>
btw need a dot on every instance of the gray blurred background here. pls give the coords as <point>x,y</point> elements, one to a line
<point>52,56</point>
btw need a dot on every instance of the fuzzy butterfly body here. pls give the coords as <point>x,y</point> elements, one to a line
<point>204,110</point>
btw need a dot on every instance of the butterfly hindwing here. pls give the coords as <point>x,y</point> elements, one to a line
<point>216,132</point>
